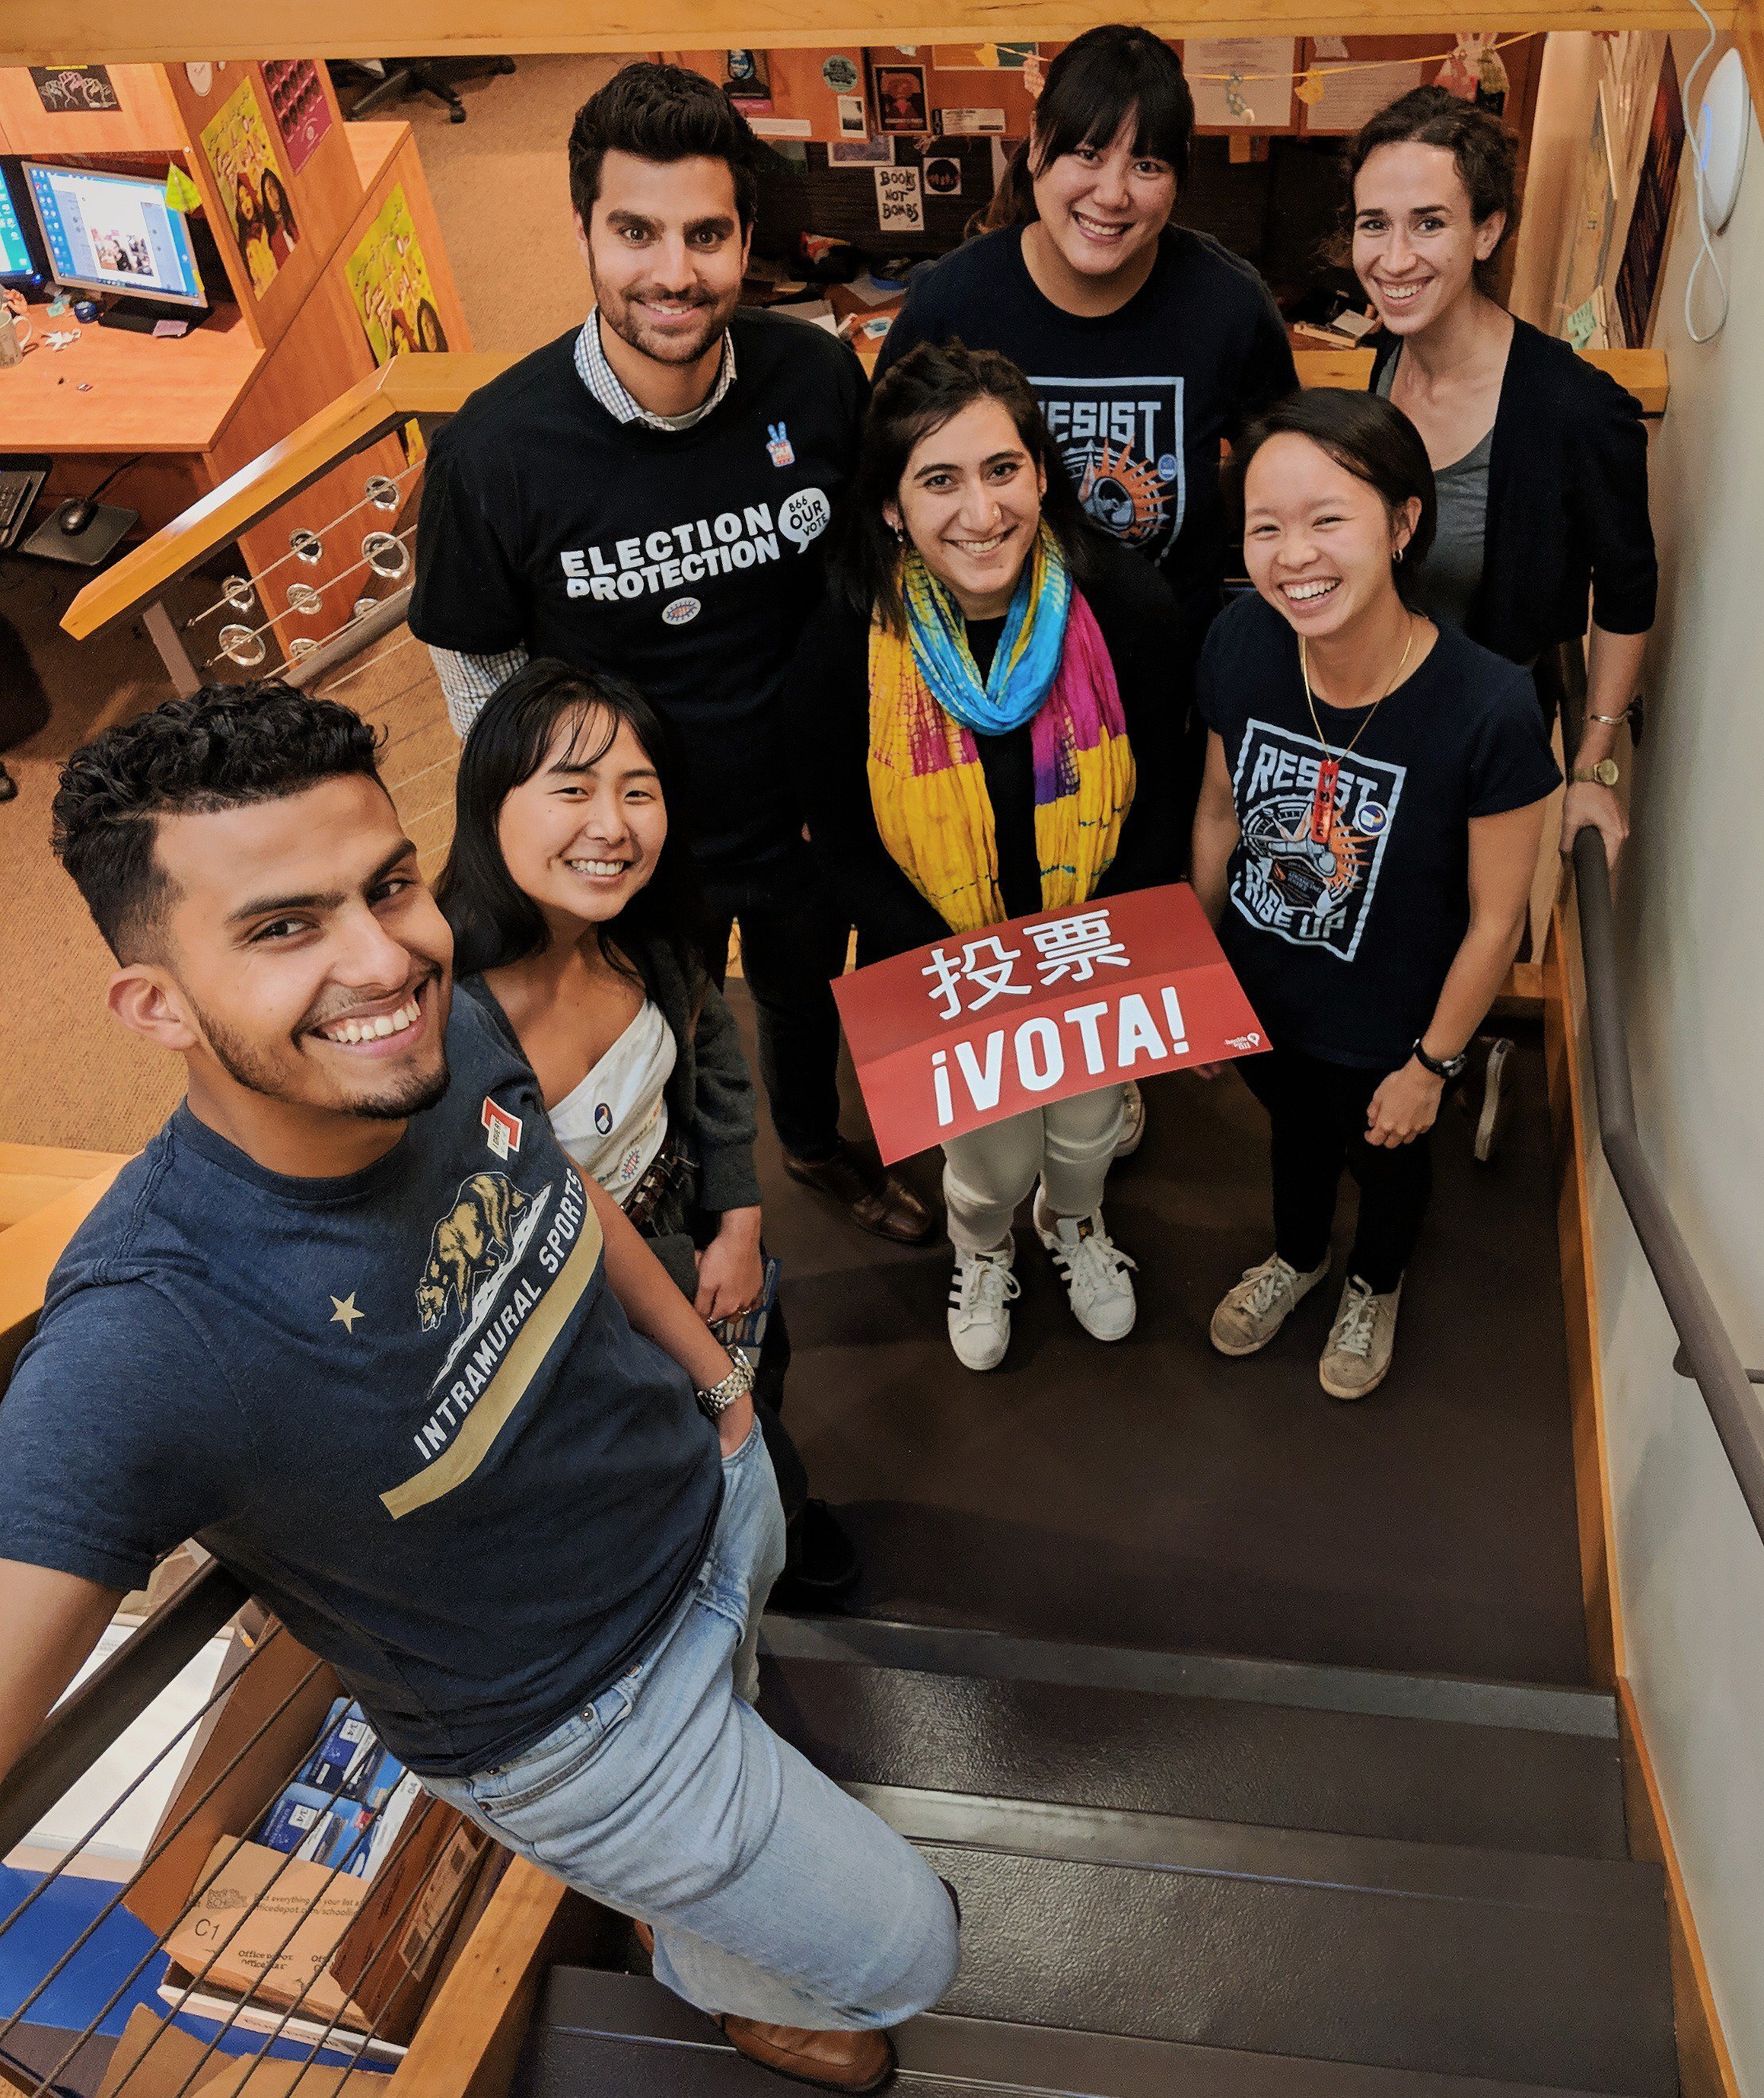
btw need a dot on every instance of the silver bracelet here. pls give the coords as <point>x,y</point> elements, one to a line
<point>1611,721</point>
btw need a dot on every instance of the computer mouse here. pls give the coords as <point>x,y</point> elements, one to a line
<point>75,514</point>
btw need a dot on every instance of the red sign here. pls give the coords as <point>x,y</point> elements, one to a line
<point>984,1024</point>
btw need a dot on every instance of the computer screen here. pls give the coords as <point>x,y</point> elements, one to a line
<point>15,251</point>
<point>114,233</point>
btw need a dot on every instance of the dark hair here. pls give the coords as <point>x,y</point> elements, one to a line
<point>1363,433</point>
<point>1486,152</point>
<point>1092,88</point>
<point>229,746</point>
<point>281,212</point>
<point>932,383</point>
<point>494,920</point>
<point>661,112</point>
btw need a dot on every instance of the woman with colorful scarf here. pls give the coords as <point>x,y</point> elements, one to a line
<point>982,726</point>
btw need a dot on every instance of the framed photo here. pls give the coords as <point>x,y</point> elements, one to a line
<point>902,103</point>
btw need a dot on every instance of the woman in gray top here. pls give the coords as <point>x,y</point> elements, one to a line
<point>1539,460</point>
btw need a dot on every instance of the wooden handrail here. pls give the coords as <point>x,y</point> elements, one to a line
<point>433,384</point>
<point>45,32</point>
<point>437,382</point>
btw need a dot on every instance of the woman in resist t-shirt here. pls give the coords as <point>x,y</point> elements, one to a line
<point>1366,836</point>
<point>1146,344</point>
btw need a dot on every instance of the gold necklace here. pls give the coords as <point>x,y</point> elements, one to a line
<point>1323,806</point>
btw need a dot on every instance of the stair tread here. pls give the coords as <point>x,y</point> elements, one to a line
<point>1352,1772</point>
<point>596,2032</point>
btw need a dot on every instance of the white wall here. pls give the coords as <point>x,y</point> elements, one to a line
<point>1691,914</point>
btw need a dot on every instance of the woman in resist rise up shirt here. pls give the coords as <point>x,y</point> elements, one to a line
<point>1365,842</point>
<point>1146,344</point>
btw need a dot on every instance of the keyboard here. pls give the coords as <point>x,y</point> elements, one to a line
<point>21,481</point>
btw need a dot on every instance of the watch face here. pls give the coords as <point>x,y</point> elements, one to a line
<point>1606,772</point>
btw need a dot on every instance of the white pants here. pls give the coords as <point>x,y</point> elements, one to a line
<point>1067,1145</point>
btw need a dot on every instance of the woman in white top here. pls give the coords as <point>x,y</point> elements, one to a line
<point>573,913</point>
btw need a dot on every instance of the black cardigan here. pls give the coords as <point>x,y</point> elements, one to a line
<point>827,702</point>
<point>1568,503</point>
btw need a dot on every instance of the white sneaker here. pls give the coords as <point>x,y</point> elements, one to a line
<point>1253,1310</point>
<point>1132,1120</point>
<point>1357,1359</point>
<point>1093,1270</point>
<point>981,1295</point>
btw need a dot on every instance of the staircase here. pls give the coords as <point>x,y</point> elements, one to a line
<point>1227,1878</point>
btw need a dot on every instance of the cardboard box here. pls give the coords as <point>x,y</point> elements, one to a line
<point>392,1952</point>
<point>158,2060</point>
<point>242,1921</point>
<point>253,1745</point>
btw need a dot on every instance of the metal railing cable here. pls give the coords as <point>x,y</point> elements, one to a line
<point>204,1881</point>
<point>215,1867</point>
<point>1707,1348</point>
<point>222,1688</point>
<point>118,1692</point>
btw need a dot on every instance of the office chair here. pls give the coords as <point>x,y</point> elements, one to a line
<point>406,77</point>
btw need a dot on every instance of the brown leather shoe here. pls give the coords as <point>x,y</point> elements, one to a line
<point>646,1936</point>
<point>829,2061</point>
<point>877,1201</point>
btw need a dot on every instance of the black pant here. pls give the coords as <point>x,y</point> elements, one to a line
<point>1318,1114</point>
<point>792,946</point>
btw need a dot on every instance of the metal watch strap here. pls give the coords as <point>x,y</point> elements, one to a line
<point>716,1399</point>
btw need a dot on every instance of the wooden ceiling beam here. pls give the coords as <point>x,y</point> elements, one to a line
<point>122,31</point>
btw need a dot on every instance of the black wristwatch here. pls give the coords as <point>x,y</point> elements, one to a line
<point>1441,1066</point>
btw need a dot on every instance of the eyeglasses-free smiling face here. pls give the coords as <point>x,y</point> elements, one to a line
<point>301,956</point>
<point>1318,540</point>
<point>1103,207</point>
<point>970,502</point>
<point>583,835</point>
<point>1416,242</point>
<point>665,250</point>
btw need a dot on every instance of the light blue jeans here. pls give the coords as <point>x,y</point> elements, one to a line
<point>772,1894</point>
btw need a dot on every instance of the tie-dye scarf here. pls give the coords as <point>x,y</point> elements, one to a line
<point>927,786</point>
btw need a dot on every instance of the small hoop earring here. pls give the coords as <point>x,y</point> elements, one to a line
<point>1396,557</point>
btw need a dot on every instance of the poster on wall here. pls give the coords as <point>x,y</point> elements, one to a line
<point>901,102</point>
<point>1350,94</point>
<point>302,114</point>
<point>1240,82</point>
<point>747,82</point>
<point>253,193</point>
<point>1589,253</point>
<point>389,283</point>
<point>65,89</point>
<point>900,204</point>
<point>1638,272</point>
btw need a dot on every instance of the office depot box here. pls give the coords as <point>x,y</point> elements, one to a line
<point>390,1931</point>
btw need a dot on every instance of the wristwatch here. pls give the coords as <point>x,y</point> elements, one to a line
<point>1606,773</point>
<point>715,1402</point>
<point>1441,1066</point>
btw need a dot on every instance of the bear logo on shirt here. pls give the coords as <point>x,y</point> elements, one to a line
<point>469,1244</point>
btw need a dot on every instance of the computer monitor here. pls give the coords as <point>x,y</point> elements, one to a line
<point>19,265</point>
<point>115,233</point>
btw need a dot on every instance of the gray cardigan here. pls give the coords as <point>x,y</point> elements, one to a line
<point>710,1095</point>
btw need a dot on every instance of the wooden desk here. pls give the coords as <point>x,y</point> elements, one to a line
<point>116,392</point>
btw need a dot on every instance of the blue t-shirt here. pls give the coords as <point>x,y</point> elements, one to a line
<point>1344,948</point>
<point>402,1405</point>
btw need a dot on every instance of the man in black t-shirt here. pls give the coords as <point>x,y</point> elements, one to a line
<point>647,495</point>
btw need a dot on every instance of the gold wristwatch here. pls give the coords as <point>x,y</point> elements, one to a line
<point>1604,773</point>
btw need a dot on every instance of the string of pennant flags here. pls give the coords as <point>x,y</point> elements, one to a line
<point>1331,66</point>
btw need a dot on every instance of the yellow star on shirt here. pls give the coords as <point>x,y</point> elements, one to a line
<point>345,1313</point>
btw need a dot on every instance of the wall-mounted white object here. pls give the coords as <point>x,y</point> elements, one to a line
<point>1722,125</point>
